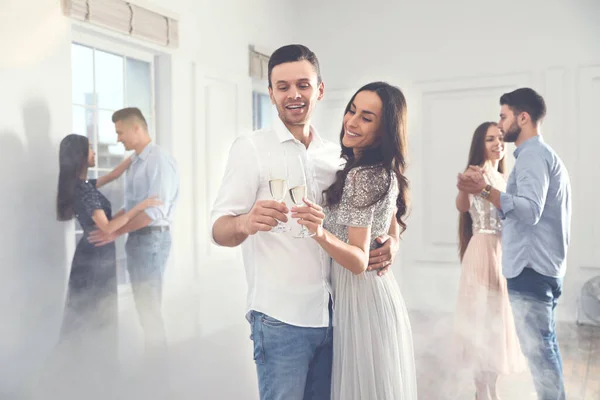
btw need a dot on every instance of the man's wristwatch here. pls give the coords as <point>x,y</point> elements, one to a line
<point>486,191</point>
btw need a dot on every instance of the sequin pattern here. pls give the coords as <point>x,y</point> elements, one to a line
<point>363,186</point>
<point>484,214</point>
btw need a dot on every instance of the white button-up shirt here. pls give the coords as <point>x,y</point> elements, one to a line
<point>288,278</point>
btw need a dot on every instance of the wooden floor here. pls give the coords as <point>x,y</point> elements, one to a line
<point>580,347</point>
<point>438,380</point>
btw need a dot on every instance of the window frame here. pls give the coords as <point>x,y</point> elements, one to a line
<point>259,88</point>
<point>124,50</point>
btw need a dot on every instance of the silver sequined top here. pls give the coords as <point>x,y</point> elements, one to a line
<point>484,214</point>
<point>363,186</point>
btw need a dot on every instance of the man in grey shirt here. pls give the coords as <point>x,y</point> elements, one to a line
<point>152,173</point>
<point>536,212</point>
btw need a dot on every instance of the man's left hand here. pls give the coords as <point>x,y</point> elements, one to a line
<point>381,258</point>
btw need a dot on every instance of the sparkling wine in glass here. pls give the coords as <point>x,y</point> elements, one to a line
<point>278,185</point>
<point>298,192</point>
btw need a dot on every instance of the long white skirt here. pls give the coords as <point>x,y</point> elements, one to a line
<point>373,355</point>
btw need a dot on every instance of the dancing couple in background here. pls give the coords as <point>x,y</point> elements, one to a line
<point>150,197</point>
<point>535,210</point>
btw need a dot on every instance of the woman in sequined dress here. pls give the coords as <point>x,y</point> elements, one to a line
<point>373,356</point>
<point>486,338</point>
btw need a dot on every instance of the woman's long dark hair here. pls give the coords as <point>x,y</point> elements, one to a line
<point>477,156</point>
<point>73,161</point>
<point>389,151</point>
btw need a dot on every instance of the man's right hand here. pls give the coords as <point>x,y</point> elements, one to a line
<point>263,216</point>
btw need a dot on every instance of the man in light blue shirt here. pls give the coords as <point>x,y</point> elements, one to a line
<point>152,173</point>
<point>536,212</point>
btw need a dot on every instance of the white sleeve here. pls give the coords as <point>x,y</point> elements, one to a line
<point>240,183</point>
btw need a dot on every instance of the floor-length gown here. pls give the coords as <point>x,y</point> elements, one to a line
<point>485,331</point>
<point>90,320</point>
<point>373,348</point>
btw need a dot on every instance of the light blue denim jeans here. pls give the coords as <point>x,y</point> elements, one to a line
<point>533,298</point>
<point>292,362</point>
<point>147,256</point>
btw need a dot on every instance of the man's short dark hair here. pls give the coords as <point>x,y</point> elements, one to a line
<point>525,100</point>
<point>292,53</point>
<point>128,113</point>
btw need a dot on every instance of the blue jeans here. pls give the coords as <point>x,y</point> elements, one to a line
<point>533,299</point>
<point>147,255</point>
<point>292,362</point>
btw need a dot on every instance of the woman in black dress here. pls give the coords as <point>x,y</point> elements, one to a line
<point>91,306</point>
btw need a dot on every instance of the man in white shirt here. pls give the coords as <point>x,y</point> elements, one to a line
<point>289,291</point>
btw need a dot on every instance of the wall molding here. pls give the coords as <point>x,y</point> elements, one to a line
<point>431,248</point>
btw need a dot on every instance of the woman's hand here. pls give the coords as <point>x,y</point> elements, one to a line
<point>115,173</point>
<point>149,202</point>
<point>311,216</point>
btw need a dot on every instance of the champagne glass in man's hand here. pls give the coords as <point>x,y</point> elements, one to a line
<point>298,190</point>
<point>278,184</point>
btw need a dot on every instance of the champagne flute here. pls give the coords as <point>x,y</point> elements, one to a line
<point>278,184</point>
<point>298,190</point>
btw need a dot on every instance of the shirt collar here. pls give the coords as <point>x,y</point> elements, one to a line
<point>144,154</point>
<point>528,143</point>
<point>283,134</point>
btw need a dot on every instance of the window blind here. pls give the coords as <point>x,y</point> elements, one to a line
<point>259,65</point>
<point>127,18</point>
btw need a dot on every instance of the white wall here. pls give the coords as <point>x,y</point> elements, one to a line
<point>205,89</point>
<point>35,116</point>
<point>454,60</point>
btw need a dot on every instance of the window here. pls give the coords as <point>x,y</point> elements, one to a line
<point>103,82</point>
<point>261,110</point>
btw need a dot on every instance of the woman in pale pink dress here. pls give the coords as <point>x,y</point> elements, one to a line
<point>485,328</point>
